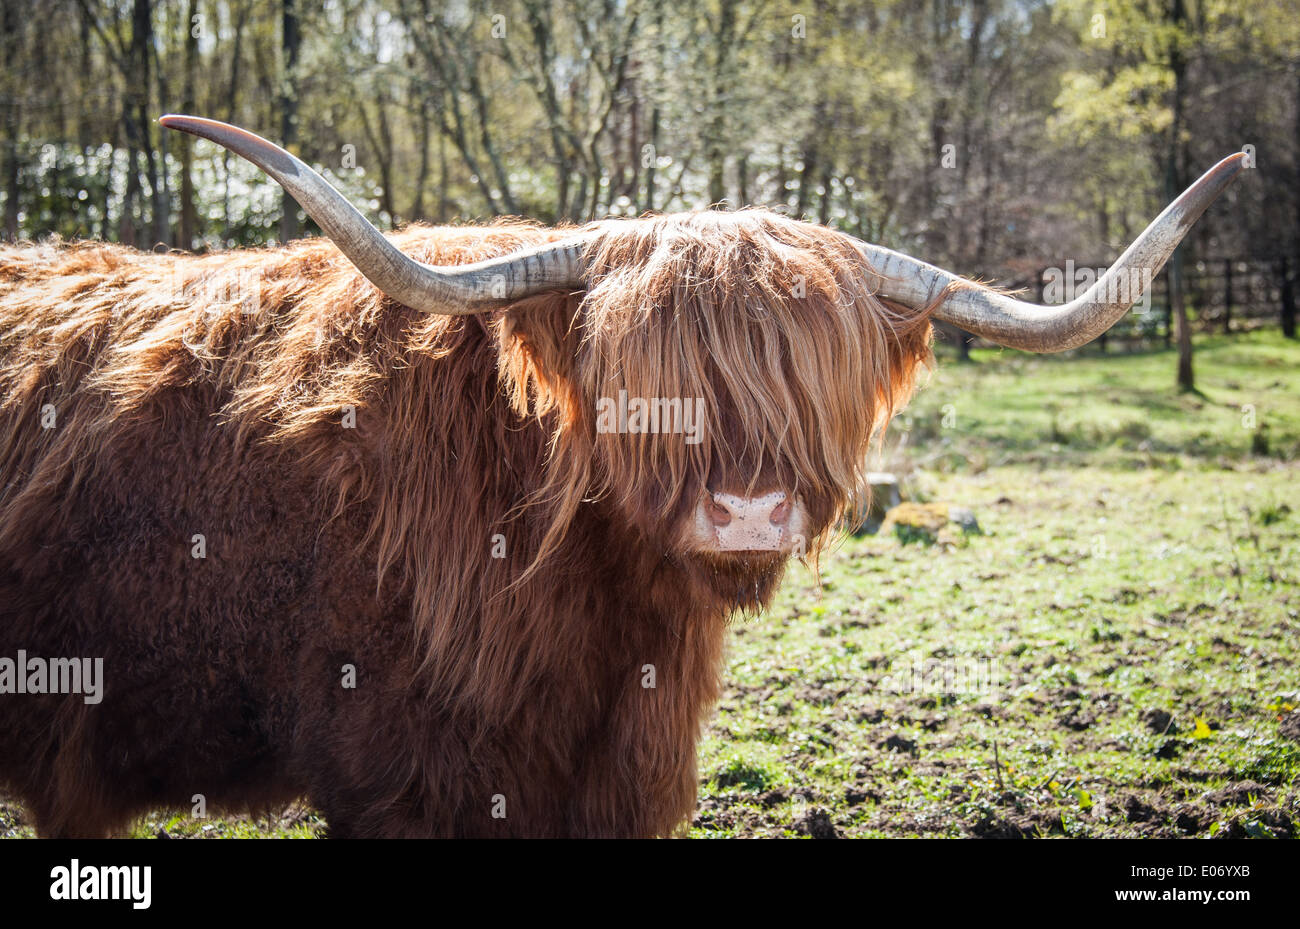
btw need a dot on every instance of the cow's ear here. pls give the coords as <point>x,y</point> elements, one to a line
<point>539,346</point>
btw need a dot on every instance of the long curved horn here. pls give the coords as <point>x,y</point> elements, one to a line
<point>454,290</point>
<point>1035,328</point>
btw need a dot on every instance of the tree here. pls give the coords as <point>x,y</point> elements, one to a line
<point>291,41</point>
<point>1176,16</point>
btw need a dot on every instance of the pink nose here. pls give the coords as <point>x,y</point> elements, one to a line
<point>749,523</point>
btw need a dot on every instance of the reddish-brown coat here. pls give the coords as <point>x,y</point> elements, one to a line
<point>477,678</point>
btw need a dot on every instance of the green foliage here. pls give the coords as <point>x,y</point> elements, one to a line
<point>992,137</point>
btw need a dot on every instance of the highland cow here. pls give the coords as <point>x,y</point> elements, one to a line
<point>339,521</point>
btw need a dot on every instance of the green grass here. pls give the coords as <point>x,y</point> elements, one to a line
<point>1009,408</point>
<point>1120,645</point>
<point>1113,657</point>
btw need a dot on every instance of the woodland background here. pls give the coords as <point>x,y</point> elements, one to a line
<point>994,137</point>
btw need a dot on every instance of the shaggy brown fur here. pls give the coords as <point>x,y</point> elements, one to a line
<point>182,409</point>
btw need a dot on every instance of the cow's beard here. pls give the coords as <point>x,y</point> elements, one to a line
<point>734,582</point>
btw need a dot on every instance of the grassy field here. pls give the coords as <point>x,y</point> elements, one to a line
<point>1115,655</point>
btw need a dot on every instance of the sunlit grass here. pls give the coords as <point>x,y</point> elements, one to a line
<point>1141,557</point>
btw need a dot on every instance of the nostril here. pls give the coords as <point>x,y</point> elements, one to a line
<point>781,515</point>
<point>718,513</point>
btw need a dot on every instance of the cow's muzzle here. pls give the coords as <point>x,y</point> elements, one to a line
<point>772,522</point>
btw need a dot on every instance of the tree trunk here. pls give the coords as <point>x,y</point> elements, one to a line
<point>141,54</point>
<point>964,339</point>
<point>189,215</point>
<point>716,143</point>
<point>128,232</point>
<point>422,173</point>
<point>444,200</point>
<point>1173,185</point>
<point>162,195</point>
<point>9,36</point>
<point>290,39</point>
<point>1287,275</point>
<point>1227,296</point>
<point>782,176</point>
<point>380,139</point>
<point>811,164</point>
<point>232,100</point>
<point>132,226</point>
<point>1183,329</point>
<point>11,179</point>
<point>651,163</point>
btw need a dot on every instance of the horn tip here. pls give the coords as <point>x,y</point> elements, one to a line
<point>194,125</point>
<point>1229,167</point>
<point>1236,161</point>
<point>197,125</point>
<point>176,121</point>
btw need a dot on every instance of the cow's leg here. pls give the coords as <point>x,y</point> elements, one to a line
<point>57,818</point>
